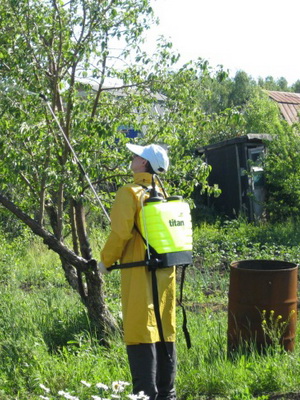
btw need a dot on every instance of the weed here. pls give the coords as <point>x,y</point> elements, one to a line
<point>274,327</point>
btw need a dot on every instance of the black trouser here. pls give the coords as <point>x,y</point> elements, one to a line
<point>152,371</point>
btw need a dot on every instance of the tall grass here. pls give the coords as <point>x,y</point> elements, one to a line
<point>46,339</point>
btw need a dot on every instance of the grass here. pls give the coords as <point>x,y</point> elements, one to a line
<point>46,340</point>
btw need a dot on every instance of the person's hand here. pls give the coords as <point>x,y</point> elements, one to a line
<point>102,269</point>
<point>92,263</point>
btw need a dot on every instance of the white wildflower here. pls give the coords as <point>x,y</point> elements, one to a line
<point>119,386</point>
<point>99,398</point>
<point>101,386</point>
<point>47,390</point>
<point>70,397</point>
<point>86,383</point>
<point>143,396</point>
<point>67,395</point>
<point>115,396</point>
<point>44,398</point>
<point>115,386</point>
<point>139,396</point>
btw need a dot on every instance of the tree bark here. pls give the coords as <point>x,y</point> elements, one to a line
<point>92,294</point>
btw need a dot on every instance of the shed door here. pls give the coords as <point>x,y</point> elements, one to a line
<point>257,182</point>
<point>226,173</point>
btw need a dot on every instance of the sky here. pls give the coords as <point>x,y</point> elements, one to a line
<point>260,37</point>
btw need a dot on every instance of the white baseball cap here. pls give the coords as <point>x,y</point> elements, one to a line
<point>155,154</point>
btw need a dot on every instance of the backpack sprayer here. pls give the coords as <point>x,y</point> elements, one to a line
<point>167,227</point>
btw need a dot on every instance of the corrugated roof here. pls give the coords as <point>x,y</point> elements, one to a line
<point>289,104</point>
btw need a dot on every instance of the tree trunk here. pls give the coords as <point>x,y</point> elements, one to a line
<point>91,293</point>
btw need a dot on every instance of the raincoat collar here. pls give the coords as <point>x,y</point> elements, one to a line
<point>142,178</point>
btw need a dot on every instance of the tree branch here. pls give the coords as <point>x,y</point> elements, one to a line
<point>50,240</point>
<point>96,101</point>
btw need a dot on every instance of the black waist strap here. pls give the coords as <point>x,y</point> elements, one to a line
<point>153,263</point>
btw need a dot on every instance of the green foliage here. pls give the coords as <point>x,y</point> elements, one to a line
<point>242,90</point>
<point>222,92</point>
<point>296,86</point>
<point>236,106</point>
<point>269,83</point>
<point>282,169</point>
<point>262,115</point>
<point>225,125</point>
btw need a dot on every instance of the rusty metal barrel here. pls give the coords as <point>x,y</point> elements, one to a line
<point>262,304</point>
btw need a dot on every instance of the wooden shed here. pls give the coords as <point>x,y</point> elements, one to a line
<point>237,169</point>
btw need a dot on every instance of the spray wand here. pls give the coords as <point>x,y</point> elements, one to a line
<point>42,96</point>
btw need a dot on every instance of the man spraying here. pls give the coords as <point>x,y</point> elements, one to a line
<point>153,371</point>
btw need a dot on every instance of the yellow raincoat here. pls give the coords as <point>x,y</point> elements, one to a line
<point>125,244</point>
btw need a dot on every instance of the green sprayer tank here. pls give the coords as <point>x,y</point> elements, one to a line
<point>166,225</point>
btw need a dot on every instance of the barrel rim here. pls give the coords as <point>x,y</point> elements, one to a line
<point>291,265</point>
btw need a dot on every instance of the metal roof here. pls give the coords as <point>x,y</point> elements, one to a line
<point>289,104</point>
<point>250,138</point>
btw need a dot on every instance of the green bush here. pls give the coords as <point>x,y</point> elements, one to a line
<point>282,169</point>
